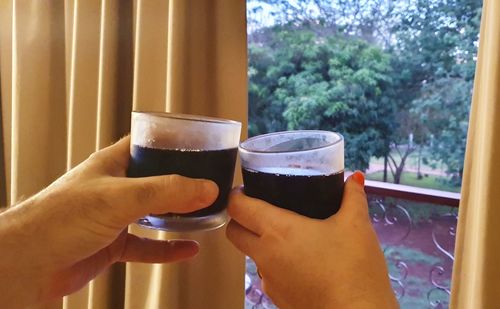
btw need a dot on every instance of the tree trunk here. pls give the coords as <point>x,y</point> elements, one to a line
<point>385,168</point>
<point>419,174</point>
<point>398,174</point>
<point>398,169</point>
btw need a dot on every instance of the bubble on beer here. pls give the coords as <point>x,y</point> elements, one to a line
<point>299,144</point>
<point>191,134</point>
<point>320,151</point>
<point>291,171</point>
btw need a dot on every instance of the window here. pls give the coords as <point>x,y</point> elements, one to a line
<point>395,78</point>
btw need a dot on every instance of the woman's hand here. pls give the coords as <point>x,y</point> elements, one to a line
<point>309,263</point>
<point>58,240</point>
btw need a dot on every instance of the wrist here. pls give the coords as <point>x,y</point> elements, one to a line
<point>12,265</point>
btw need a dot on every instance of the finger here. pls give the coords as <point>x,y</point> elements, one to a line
<point>145,250</point>
<point>354,202</point>
<point>243,239</point>
<point>162,194</point>
<point>257,215</point>
<point>114,159</point>
<point>78,275</point>
<point>126,248</point>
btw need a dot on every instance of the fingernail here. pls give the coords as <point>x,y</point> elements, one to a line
<point>359,178</point>
<point>209,191</point>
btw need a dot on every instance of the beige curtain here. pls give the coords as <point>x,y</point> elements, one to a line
<point>71,71</point>
<point>476,272</point>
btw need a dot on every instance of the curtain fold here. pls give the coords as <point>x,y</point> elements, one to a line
<point>206,74</point>
<point>71,72</point>
<point>476,270</point>
<point>6,89</point>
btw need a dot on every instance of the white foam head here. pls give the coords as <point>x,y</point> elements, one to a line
<point>305,151</point>
<point>180,131</point>
<point>296,171</point>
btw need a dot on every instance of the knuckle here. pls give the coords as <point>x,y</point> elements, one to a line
<point>236,197</point>
<point>98,211</point>
<point>95,156</point>
<point>265,288</point>
<point>189,188</point>
<point>271,237</point>
<point>104,162</point>
<point>253,211</point>
<point>232,209</point>
<point>177,185</point>
<point>236,201</point>
<point>173,181</point>
<point>146,191</point>
<point>229,230</point>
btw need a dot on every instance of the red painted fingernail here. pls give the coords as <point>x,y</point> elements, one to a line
<point>359,178</point>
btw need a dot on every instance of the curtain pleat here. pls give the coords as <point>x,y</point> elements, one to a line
<point>476,270</point>
<point>36,26</point>
<point>204,39</point>
<point>71,72</point>
<point>3,184</point>
<point>83,80</point>
<point>6,92</point>
<point>150,64</point>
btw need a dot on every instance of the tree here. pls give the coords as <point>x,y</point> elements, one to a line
<point>437,42</point>
<point>305,73</point>
<point>366,19</point>
<point>444,110</point>
<point>333,83</point>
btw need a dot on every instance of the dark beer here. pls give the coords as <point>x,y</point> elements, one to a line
<point>216,165</point>
<point>304,191</point>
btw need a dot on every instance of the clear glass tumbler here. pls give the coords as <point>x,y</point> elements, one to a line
<point>187,145</point>
<point>302,171</point>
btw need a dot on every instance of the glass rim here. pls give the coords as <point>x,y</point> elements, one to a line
<point>188,117</point>
<point>243,148</point>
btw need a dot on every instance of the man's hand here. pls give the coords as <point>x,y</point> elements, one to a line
<point>58,240</point>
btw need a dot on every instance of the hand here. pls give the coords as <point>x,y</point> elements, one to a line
<point>58,240</point>
<point>310,263</point>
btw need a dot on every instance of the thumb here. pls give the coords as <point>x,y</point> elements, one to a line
<point>138,197</point>
<point>354,201</point>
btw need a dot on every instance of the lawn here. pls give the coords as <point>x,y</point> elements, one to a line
<point>410,179</point>
<point>412,161</point>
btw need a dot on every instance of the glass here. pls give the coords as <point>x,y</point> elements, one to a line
<point>191,146</point>
<point>302,171</point>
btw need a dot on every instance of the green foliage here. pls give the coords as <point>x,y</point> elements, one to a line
<point>333,83</point>
<point>437,44</point>
<point>377,71</point>
<point>443,108</point>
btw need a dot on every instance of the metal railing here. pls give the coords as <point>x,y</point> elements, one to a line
<point>416,229</point>
<point>412,193</point>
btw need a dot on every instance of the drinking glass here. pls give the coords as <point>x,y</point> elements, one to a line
<point>187,145</point>
<point>302,171</point>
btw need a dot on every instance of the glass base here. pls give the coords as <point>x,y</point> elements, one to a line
<point>177,223</point>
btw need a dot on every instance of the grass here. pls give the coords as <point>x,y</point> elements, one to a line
<point>410,179</point>
<point>408,255</point>
<point>412,160</point>
<point>416,286</point>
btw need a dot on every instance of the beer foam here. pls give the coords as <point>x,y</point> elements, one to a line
<point>176,133</point>
<point>294,171</point>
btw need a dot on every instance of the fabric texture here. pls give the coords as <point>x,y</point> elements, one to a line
<point>476,270</point>
<point>72,71</point>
